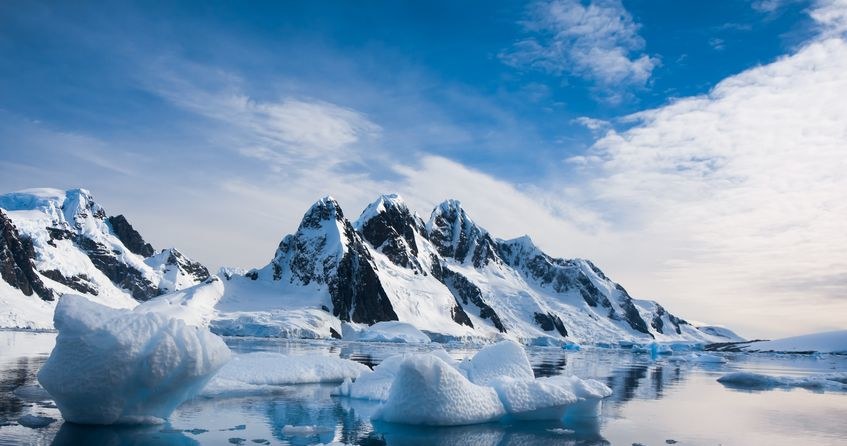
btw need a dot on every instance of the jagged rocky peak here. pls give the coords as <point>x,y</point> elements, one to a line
<point>16,267</point>
<point>327,253</point>
<point>325,209</point>
<point>177,270</point>
<point>129,236</point>
<point>390,227</point>
<point>456,236</point>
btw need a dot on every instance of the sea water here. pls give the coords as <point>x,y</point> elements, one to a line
<point>656,401</point>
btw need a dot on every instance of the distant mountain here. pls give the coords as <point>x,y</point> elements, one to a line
<point>447,276</point>
<point>54,242</point>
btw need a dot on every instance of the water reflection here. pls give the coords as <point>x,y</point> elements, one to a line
<point>647,406</point>
<point>71,434</point>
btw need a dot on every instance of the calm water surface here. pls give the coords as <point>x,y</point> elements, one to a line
<point>655,402</point>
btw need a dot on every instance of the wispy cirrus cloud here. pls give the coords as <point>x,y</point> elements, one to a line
<point>598,42</point>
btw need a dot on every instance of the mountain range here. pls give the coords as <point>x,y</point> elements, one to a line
<point>447,276</point>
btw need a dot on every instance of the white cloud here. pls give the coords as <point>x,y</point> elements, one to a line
<point>742,191</point>
<point>598,41</point>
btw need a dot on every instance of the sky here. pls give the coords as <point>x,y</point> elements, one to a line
<point>695,151</point>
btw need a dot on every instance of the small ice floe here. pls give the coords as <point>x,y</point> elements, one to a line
<point>35,421</point>
<point>304,431</point>
<point>386,331</point>
<point>262,372</point>
<point>496,383</point>
<point>757,381</point>
<point>698,358</point>
<point>561,431</point>
<point>125,366</point>
<point>571,346</point>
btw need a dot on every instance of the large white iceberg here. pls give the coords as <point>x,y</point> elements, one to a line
<point>374,385</point>
<point>505,358</point>
<point>428,391</point>
<point>432,389</point>
<point>122,366</point>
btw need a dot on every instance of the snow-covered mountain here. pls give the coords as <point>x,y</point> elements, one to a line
<point>448,276</point>
<point>54,242</point>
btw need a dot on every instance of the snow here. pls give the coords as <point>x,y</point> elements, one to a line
<point>825,342</point>
<point>758,381</point>
<point>259,372</point>
<point>194,305</point>
<point>504,359</point>
<point>387,331</point>
<point>121,366</point>
<point>429,391</point>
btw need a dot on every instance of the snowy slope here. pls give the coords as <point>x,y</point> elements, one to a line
<point>448,277</point>
<point>826,342</point>
<point>65,241</point>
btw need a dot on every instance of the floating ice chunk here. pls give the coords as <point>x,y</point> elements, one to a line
<point>304,431</point>
<point>535,399</point>
<point>758,381</point>
<point>701,358</point>
<point>571,346</point>
<point>503,359</point>
<point>375,384</point>
<point>429,391</point>
<point>194,305</point>
<point>386,331</point>
<point>35,421</point>
<point>262,371</point>
<point>121,366</point>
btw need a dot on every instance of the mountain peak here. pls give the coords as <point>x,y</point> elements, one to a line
<point>455,235</point>
<point>325,209</point>
<point>384,203</point>
<point>390,227</point>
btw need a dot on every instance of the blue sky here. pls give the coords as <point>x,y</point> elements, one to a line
<point>616,131</point>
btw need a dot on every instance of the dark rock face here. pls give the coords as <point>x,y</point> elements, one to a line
<point>357,294</point>
<point>467,293</point>
<point>457,236</point>
<point>550,322</point>
<point>195,270</point>
<point>658,324</point>
<point>119,273</point>
<point>392,232</point>
<point>16,261</point>
<point>631,314</point>
<point>129,236</point>
<point>559,274</point>
<point>79,282</point>
<point>350,274</point>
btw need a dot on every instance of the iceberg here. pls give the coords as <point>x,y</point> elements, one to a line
<point>375,384</point>
<point>428,391</point>
<point>758,381</point>
<point>497,383</point>
<point>503,359</point>
<point>262,372</point>
<point>121,366</point>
